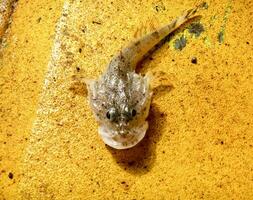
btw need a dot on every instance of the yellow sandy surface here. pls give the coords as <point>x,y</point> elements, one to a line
<point>23,62</point>
<point>199,144</point>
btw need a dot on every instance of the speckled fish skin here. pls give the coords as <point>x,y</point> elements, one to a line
<point>120,98</point>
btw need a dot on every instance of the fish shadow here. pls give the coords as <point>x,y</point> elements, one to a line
<point>140,159</point>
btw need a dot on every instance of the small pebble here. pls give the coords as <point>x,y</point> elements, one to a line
<point>10,175</point>
<point>194,60</point>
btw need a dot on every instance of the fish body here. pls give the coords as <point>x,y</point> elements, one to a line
<point>120,98</point>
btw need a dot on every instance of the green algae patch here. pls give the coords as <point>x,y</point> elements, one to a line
<point>221,34</point>
<point>180,43</point>
<point>196,29</point>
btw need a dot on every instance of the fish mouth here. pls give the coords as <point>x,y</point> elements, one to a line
<point>120,139</point>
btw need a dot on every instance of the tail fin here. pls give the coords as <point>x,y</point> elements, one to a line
<point>135,51</point>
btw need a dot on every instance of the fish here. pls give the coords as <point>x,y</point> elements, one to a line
<point>120,98</point>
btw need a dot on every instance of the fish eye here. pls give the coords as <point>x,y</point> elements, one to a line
<point>133,113</point>
<point>129,113</point>
<point>111,114</point>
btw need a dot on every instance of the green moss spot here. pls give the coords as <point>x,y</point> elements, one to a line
<point>180,43</point>
<point>196,29</point>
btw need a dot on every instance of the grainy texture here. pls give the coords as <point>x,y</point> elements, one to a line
<point>23,63</point>
<point>199,144</point>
